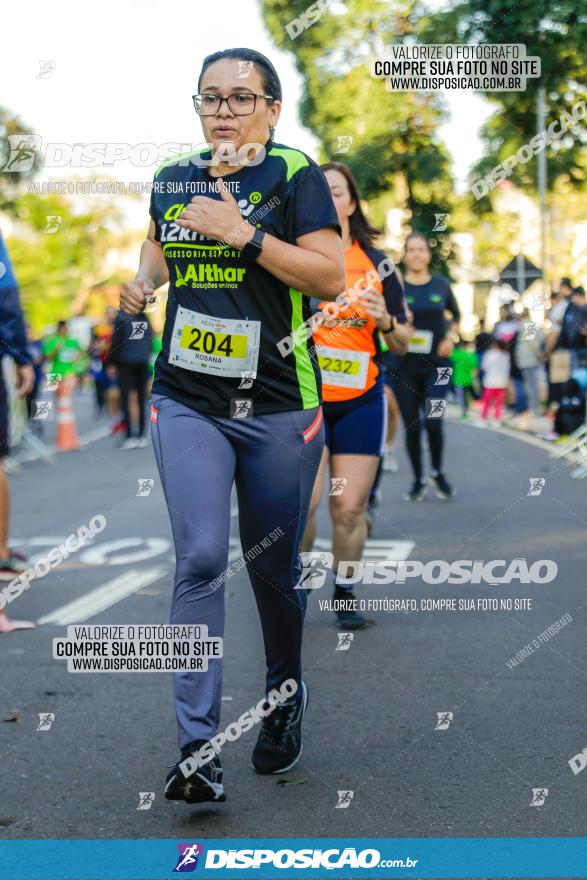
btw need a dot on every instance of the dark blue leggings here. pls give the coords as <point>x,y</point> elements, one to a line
<point>273,460</point>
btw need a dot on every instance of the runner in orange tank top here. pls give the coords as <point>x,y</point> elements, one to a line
<point>347,338</point>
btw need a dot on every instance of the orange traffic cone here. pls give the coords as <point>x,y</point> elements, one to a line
<point>67,438</point>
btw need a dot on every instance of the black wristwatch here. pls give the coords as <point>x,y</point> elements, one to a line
<point>252,249</point>
<point>389,329</point>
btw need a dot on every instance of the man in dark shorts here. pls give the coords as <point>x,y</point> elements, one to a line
<point>12,343</point>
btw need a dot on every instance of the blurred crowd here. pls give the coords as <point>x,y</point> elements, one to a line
<point>521,370</point>
<point>117,365</point>
<point>517,371</point>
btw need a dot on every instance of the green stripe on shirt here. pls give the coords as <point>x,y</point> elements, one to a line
<point>304,368</point>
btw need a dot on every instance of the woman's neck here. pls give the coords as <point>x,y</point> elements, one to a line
<point>347,241</point>
<point>417,276</point>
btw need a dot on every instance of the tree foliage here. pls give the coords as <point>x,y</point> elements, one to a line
<point>554,30</point>
<point>395,154</point>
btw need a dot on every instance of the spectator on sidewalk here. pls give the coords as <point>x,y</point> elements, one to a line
<point>497,366</point>
<point>64,354</point>
<point>507,329</point>
<point>570,348</point>
<point>130,353</point>
<point>558,305</point>
<point>465,363</point>
<point>570,414</point>
<point>529,356</point>
<point>14,344</point>
<point>482,341</point>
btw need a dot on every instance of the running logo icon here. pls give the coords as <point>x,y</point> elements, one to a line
<point>344,641</point>
<point>246,381</point>
<point>444,719</point>
<point>529,331</point>
<point>152,303</point>
<point>146,799</point>
<point>46,69</point>
<point>138,329</point>
<point>53,223</point>
<point>52,381</point>
<point>441,222</point>
<point>435,408</point>
<point>145,487</point>
<point>443,375</point>
<point>23,152</point>
<point>241,409</point>
<point>42,409</point>
<point>344,800</point>
<point>187,861</point>
<point>539,795</point>
<point>315,569</point>
<point>244,68</point>
<point>344,143</point>
<point>46,719</point>
<point>536,485</point>
<point>337,485</point>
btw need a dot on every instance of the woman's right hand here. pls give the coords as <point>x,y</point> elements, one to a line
<point>133,295</point>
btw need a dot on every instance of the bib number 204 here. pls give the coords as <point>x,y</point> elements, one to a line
<point>209,342</point>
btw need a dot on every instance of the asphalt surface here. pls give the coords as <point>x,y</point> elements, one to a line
<point>370,726</point>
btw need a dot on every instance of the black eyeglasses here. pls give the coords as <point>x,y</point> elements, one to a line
<point>241,103</point>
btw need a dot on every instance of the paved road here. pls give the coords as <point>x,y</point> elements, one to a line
<point>371,724</point>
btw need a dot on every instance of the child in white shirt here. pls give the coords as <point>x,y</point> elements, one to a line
<point>496,377</point>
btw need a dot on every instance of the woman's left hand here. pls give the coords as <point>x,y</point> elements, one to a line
<point>445,347</point>
<point>374,305</point>
<point>217,219</point>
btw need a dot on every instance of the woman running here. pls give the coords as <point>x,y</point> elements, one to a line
<point>355,407</point>
<point>239,259</point>
<point>421,377</point>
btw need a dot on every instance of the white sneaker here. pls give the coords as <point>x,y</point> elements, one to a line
<point>141,442</point>
<point>129,443</point>
<point>390,462</point>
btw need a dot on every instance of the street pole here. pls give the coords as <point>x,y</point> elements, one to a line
<point>541,185</point>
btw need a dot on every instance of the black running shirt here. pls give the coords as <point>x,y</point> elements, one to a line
<point>428,303</point>
<point>225,316</point>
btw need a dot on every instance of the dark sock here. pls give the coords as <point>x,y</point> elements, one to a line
<point>343,591</point>
<point>192,747</point>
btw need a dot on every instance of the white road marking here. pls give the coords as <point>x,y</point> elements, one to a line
<point>100,552</point>
<point>146,548</point>
<point>103,597</point>
<point>376,549</point>
<point>97,434</point>
<point>235,551</point>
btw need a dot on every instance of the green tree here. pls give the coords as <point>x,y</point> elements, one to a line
<point>395,154</point>
<point>555,31</point>
<point>55,269</point>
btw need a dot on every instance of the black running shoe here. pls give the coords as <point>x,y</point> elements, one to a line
<point>348,618</point>
<point>204,784</point>
<point>417,492</point>
<point>279,746</point>
<point>443,489</point>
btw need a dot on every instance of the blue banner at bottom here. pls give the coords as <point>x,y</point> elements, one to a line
<point>306,858</point>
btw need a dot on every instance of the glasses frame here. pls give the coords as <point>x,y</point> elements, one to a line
<point>234,113</point>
